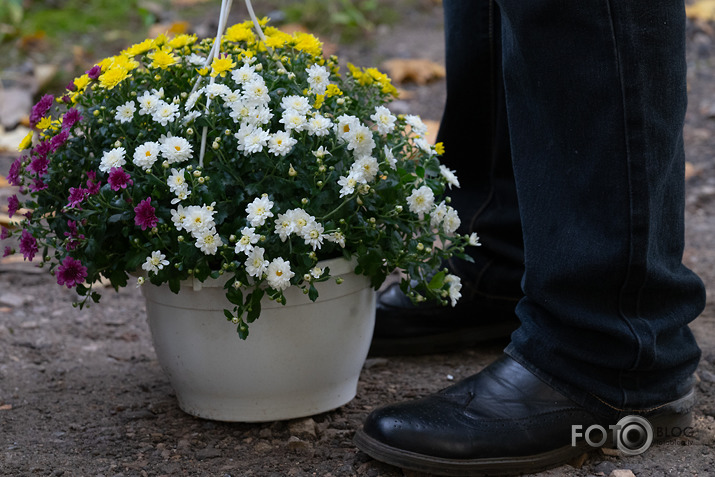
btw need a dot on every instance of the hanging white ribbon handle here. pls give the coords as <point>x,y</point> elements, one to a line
<point>215,49</point>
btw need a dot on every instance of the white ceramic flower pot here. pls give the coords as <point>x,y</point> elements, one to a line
<point>300,359</point>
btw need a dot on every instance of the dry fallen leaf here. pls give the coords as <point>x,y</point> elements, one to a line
<point>168,29</point>
<point>6,407</point>
<point>701,10</point>
<point>691,171</point>
<point>417,70</point>
<point>187,3</point>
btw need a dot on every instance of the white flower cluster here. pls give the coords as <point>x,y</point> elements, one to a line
<point>199,222</point>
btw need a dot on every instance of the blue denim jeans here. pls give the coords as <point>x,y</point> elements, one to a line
<point>595,95</point>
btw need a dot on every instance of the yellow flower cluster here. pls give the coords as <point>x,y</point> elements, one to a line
<point>368,76</point>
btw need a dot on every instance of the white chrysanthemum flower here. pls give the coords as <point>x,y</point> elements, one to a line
<point>318,78</point>
<point>389,157</point>
<point>316,272</point>
<point>337,237</point>
<point>244,74</point>
<point>300,218</point>
<point>348,183</point>
<point>177,217</point>
<point>424,144</point>
<point>232,97</point>
<point>312,233</point>
<point>384,120</point>
<point>140,281</point>
<point>254,141</point>
<point>451,221</point>
<point>181,195</point>
<point>474,240</point>
<point>366,168</point>
<point>437,214</point>
<point>165,113</point>
<point>190,117</point>
<point>155,262</point>
<point>281,143</point>
<point>284,226</point>
<point>255,264</point>
<point>420,201</point>
<point>146,155</point>
<point>177,180</point>
<point>449,176</point>
<point>259,115</point>
<point>259,210</point>
<point>112,158</point>
<point>255,92</point>
<point>321,152</point>
<point>360,140</point>
<point>248,239</point>
<point>209,242</point>
<point>196,60</point>
<point>239,111</point>
<point>278,274</point>
<point>319,125</point>
<point>296,103</point>
<point>213,90</point>
<point>175,149</point>
<point>147,103</point>
<point>418,127</point>
<point>344,125</point>
<point>193,97</point>
<point>125,112</point>
<point>198,220</point>
<point>293,120</point>
<point>455,287</point>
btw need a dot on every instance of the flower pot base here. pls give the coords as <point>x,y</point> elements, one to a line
<point>300,359</point>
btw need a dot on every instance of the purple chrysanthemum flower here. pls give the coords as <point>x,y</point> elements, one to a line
<point>13,175</point>
<point>4,233</point>
<point>94,72</point>
<point>145,214</point>
<point>42,149</point>
<point>28,245</point>
<point>118,179</point>
<point>12,205</point>
<point>73,235</point>
<point>39,110</point>
<point>58,140</point>
<point>92,186</point>
<point>77,195</point>
<point>39,165</point>
<point>71,272</point>
<point>71,86</point>
<point>8,251</point>
<point>37,185</point>
<point>71,117</point>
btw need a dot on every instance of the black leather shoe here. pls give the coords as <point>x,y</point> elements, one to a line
<point>501,421</point>
<point>403,328</point>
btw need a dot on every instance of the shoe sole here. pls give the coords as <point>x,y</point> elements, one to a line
<point>663,426</point>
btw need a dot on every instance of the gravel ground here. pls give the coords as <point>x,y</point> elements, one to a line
<point>81,392</point>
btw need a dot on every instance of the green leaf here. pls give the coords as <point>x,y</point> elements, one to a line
<point>437,281</point>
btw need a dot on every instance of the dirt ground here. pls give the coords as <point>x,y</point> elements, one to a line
<point>81,392</point>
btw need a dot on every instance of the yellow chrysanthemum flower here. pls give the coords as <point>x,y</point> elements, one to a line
<point>125,62</point>
<point>106,63</point>
<point>333,90</point>
<point>162,59</point>
<point>44,123</point>
<point>240,32</point>
<point>113,76</point>
<point>180,41</point>
<point>276,38</point>
<point>139,48</point>
<point>26,142</point>
<point>221,65</point>
<point>81,82</point>
<point>203,71</point>
<point>439,148</point>
<point>159,41</point>
<point>319,100</point>
<point>307,43</point>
